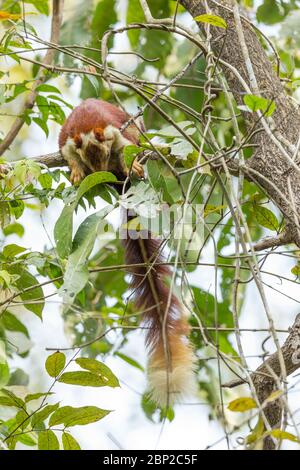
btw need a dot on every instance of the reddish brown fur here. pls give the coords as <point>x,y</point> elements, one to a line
<point>94,114</point>
<point>163,315</point>
<point>99,134</point>
<point>78,141</point>
<point>144,299</point>
<point>171,359</point>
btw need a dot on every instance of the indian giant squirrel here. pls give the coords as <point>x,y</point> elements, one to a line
<point>90,140</point>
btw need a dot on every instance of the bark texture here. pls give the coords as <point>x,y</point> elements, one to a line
<point>271,168</point>
<point>264,380</point>
<point>268,166</point>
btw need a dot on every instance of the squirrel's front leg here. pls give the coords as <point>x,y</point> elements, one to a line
<point>77,172</point>
<point>137,169</point>
<point>70,153</point>
<point>117,161</point>
<point>117,165</point>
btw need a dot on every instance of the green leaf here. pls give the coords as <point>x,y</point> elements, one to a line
<point>6,401</point>
<point>12,323</point>
<point>13,229</point>
<point>36,396</point>
<point>206,305</point>
<point>8,398</point>
<point>42,124</point>
<point>18,90</point>
<point>170,131</point>
<point>76,275</point>
<point>242,404</point>
<point>5,278</point>
<point>18,377</point>
<point>10,251</point>
<point>17,207</point>
<point>20,171</point>
<point>3,98</point>
<point>172,189</point>
<point>4,369</point>
<point>45,88</point>
<point>63,232</point>
<point>57,113</point>
<point>258,103</point>
<point>58,98</point>
<point>45,181</point>
<point>41,5</point>
<point>69,442</point>
<point>22,419</point>
<point>93,81</point>
<point>148,406</point>
<point>34,168</point>
<point>135,14</point>
<point>26,170</point>
<point>130,361</point>
<point>211,19</point>
<point>157,43</point>
<point>27,439</point>
<point>269,12</point>
<point>64,225</point>
<point>43,106</point>
<point>83,379</point>
<point>167,413</point>
<point>281,435</point>
<point>11,399</point>
<point>99,368</point>
<point>76,29</point>
<point>210,209</point>
<point>92,180</point>
<point>47,440</point>
<point>266,218</point>
<point>40,416</point>
<point>55,364</point>
<point>181,148</point>
<point>104,18</point>
<point>257,433</point>
<point>70,416</point>
<point>4,215</point>
<point>296,270</point>
<point>28,281</point>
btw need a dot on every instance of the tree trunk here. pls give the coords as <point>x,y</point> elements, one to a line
<point>273,171</point>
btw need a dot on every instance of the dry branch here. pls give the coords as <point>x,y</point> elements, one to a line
<point>266,376</point>
<point>283,238</point>
<point>274,164</point>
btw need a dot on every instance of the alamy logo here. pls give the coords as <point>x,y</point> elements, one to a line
<point>178,223</point>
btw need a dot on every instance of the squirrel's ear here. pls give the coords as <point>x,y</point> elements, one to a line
<point>99,134</point>
<point>78,140</point>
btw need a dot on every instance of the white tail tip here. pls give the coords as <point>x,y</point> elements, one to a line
<point>171,384</point>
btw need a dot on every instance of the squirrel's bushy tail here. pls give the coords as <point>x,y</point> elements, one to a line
<point>171,359</point>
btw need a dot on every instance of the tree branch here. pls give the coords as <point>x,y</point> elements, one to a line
<point>249,70</point>
<point>283,238</point>
<point>48,59</point>
<point>267,375</point>
<point>274,165</point>
<point>51,160</point>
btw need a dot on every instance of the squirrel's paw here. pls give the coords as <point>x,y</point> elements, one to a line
<point>138,169</point>
<point>3,170</point>
<point>77,175</point>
